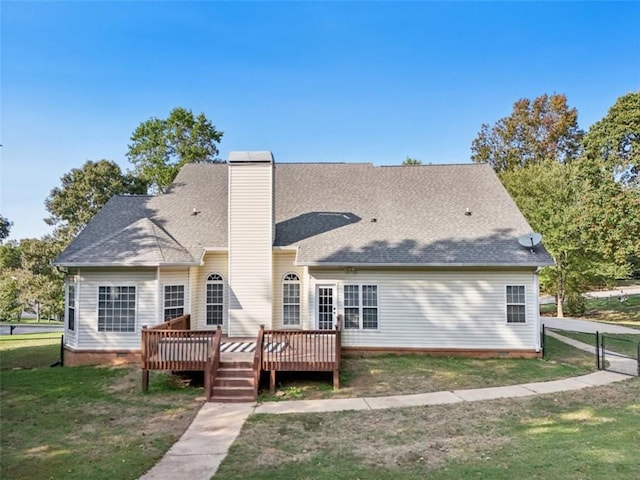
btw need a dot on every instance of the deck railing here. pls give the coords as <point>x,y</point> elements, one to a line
<point>163,347</point>
<point>213,361</point>
<point>257,360</point>
<point>302,350</point>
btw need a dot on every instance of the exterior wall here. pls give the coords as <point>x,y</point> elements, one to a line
<point>458,310</point>
<point>283,263</point>
<point>173,276</point>
<point>214,262</point>
<point>88,336</point>
<point>250,247</point>
<point>75,358</point>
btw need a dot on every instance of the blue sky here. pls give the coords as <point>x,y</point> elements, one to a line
<point>310,81</point>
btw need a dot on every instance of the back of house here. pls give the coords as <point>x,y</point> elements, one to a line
<point>412,258</point>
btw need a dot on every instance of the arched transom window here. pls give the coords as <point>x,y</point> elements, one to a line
<point>215,299</point>
<point>291,299</point>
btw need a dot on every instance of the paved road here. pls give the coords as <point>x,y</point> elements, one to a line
<point>586,326</point>
<point>634,290</point>
<point>31,328</point>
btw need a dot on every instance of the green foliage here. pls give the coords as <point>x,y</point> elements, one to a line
<point>5,227</point>
<point>84,191</point>
<point>410,161</point>
<point>613,143</point>
<point>10,306</point>
<point>542,129</point>
<point>161,146</point>
<point>41,286</point>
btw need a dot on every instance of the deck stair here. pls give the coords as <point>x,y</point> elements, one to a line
<point>234,381</point>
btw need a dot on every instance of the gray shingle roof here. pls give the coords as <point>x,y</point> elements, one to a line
<point>342,214</point>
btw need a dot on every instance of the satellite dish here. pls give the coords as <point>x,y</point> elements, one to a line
<point>530,240</point>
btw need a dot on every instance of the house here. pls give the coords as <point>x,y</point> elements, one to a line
<point>420,258</point>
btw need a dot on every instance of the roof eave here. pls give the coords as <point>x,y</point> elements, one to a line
<point>123,265</point>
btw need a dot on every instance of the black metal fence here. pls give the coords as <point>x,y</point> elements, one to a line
<point>610,352</point>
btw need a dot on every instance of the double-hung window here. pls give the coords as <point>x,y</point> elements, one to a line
<point>173,301</point>
<point>291,299</point>
<point>214,299</point>
<point>71,305</point>
<point>361,307</point>
<point>516,304</point>
<point>117,309</point>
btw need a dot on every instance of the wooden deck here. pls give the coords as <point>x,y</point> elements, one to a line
<point>173,346</point>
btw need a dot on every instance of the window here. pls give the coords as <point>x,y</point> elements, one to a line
<point>116,309</point>
<point>516,304</point>
<point>173,301</point>
<point>71,306</point>
<point>291,299</point>
<point>361,307</point>
<point>215,299</point>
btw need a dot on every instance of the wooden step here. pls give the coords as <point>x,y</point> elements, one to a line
<point>235,364</point>
<point>232,399</point>
<point>235,372</point>
<point>229,381</point>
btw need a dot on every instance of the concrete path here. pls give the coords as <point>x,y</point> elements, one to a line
<point>198,453</point>
<point>586,326</point>
<point>204,445</point>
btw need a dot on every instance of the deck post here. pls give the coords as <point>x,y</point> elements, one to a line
<point>272,382</point>
<point>336,379</point>
<point>145,380</point>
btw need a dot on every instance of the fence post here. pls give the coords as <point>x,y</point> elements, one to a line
<point>542,340</point>
<point>598,350</point>
<point>602,352</point>
<point>62,351</point>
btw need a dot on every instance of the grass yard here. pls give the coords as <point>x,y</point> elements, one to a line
<point>378,375</point>
<point>609,309</point>
<point>591,433</point>
<point>83,422</point>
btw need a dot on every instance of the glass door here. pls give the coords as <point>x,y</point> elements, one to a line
<point>326,306</point>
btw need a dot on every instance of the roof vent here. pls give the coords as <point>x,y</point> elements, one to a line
<point>467,212</point>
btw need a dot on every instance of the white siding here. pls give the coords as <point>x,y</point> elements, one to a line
<point>89,338</point>
<point>173,276</point>
<point>250,247</point>
<point>438,309</point>
<point>283,264</point>
<point>214,262</point>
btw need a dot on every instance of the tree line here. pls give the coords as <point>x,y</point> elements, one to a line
<point>581,190</point>
<point>158,148</point>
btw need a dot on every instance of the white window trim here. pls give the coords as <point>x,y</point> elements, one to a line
<point>506,305</point>
<point>222,282</point>
<point>164,297</point>
<point>135,320</point>
<point>360,307</point>
<point>72,282</point>
<point>282,304</point>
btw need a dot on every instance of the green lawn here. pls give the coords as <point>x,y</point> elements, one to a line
<point>585,434</point>
<point>83,422</point>
<point>609,309</point>
<point>377,375</point>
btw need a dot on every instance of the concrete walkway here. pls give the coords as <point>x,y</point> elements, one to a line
<point>585,326</point>
<point>204,445</point>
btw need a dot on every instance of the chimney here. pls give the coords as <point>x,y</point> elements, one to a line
<point>251,234</point>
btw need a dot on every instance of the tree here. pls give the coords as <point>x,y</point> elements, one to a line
<point>5,227</point>
<point>542,129</point>
<point>409,161</point>
<point>161,146</point>
<point>554,198</point>
<point>41,285</point>
<point>10,306</point>
<point>613,143</point>
<point>84,191</point>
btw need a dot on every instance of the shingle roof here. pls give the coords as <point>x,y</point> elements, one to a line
<point>334,214</point>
